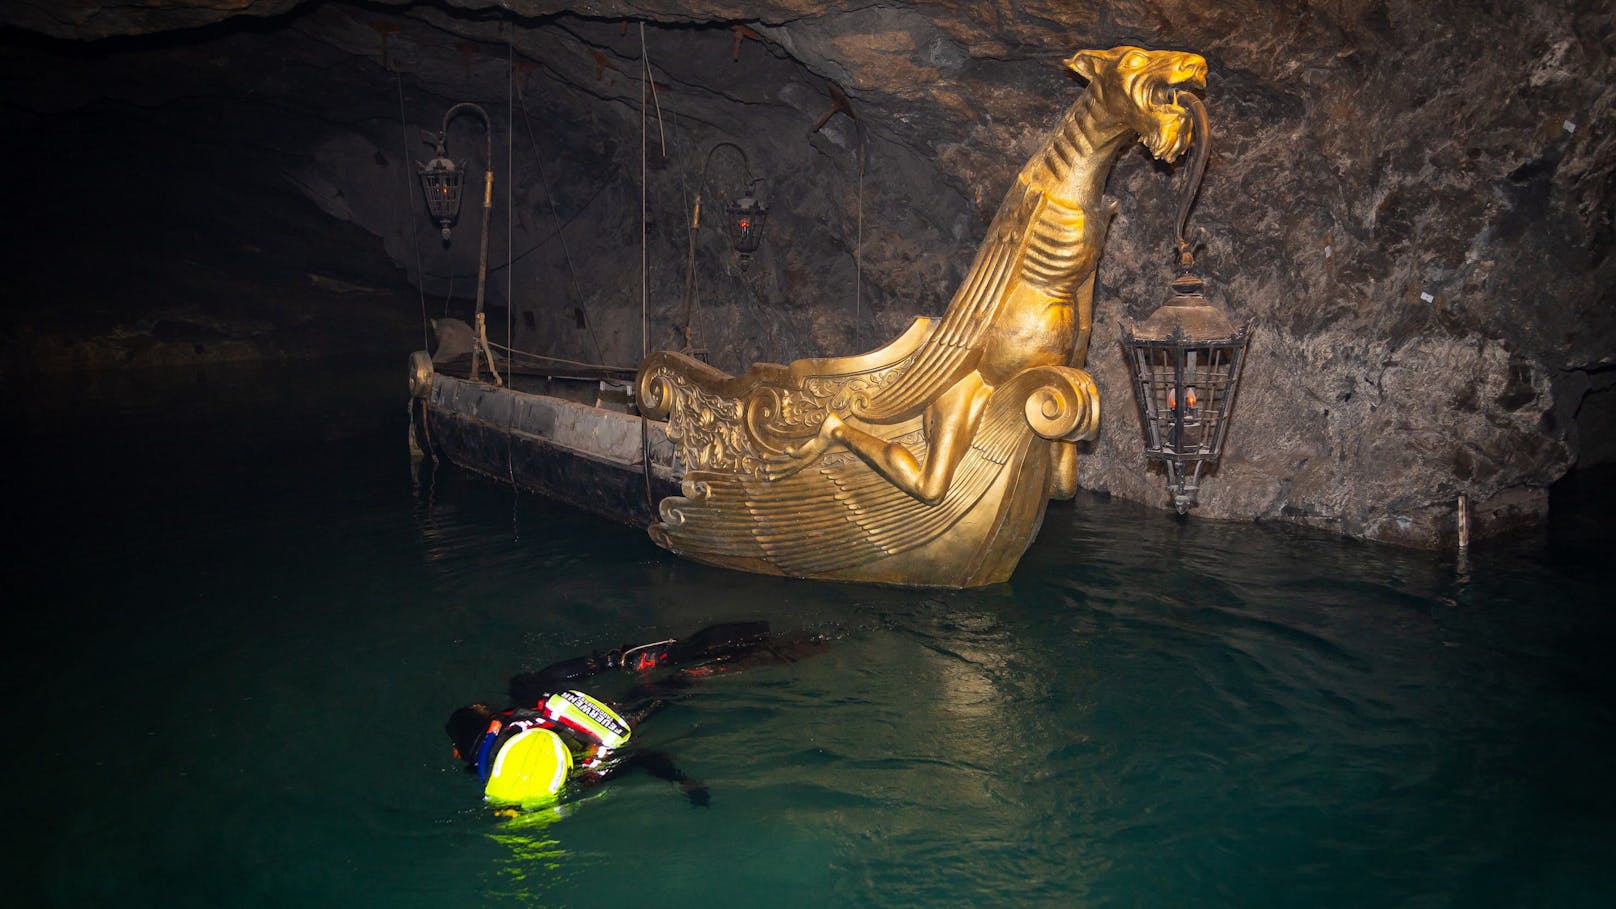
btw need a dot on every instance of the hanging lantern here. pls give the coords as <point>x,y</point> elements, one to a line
<point>746,217</point>
<point>1186,361</point>
<point>441,182</point>
<point>1186,358</point>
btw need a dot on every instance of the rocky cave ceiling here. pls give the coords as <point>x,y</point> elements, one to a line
<point>1412,202</point>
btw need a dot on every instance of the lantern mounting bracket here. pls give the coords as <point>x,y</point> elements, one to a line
<point>1186,359</point>
<point>744,218</point>
<point>442,181</point>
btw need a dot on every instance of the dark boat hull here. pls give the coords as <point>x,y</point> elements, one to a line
<point>588,457</point>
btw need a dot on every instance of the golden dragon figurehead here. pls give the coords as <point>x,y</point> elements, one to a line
<point>1139,89</point>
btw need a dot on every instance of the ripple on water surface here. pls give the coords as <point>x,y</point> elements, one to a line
<point>245,630</point>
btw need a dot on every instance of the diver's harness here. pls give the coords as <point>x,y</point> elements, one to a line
<point>577,717</point>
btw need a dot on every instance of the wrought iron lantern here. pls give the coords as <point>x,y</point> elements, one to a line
<point>1185,361</point>
<point>441,178</point>
<point>441,182</point>
<point>746,216</point>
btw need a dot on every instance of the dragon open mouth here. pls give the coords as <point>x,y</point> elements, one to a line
<point>1161,95</point>
<point>1169,134</point>
<point>1164,96</point>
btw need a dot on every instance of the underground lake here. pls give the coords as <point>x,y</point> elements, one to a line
<point>244,614</point>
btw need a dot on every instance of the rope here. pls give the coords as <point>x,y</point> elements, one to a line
<point>858,266</point>
<point>562,360</point>
<point>510,299</point>
<point>645,287</point>
<point>655,99</point>
<point>510,199</point>
<point>600,188</point>
<point>426,429</point>
<point>420,282</point>
<point>690,272</point>
<point>409,205</point>
<point>555,214</point>
<point>858,247</point>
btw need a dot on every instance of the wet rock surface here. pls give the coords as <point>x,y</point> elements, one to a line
<point>1411,203</point>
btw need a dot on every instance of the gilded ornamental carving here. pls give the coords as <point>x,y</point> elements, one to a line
<point>930,461</point>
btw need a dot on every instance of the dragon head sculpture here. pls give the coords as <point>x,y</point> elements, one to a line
<point>1140,87</point>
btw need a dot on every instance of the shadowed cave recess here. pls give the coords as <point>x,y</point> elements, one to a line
<point>1412,203</point>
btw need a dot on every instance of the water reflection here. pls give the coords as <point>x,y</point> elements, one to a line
<point>270,617</point>
<point>533,864</point>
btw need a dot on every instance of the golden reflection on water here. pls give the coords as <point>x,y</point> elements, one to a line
<point>534,863</point>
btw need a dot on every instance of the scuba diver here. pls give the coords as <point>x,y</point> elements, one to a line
<point>557,741</point>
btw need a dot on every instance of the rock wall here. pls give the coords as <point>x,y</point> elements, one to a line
<point>1410,201</point>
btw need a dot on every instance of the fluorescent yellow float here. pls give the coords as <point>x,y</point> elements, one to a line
<point>531,767</point>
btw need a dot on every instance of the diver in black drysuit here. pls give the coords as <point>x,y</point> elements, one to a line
<point>595,733</point>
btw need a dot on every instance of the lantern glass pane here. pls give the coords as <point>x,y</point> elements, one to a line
<point>441,183</point>
<point>746,227</point>
<point>1184,395</point>
<point>1185,389</point>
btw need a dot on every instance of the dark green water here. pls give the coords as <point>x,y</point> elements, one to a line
<point>238,622</point>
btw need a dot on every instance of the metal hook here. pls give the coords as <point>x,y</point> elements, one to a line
<point>1203,143</point>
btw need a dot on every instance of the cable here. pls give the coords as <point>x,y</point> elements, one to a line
<point>858,267</point>
<point>510,299</point>
<point>420,282</point>
<point>566,252</point>
<point>645,291</point>
<point>510,199</point>
<point>549,359</point>
<point>645,287</point>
